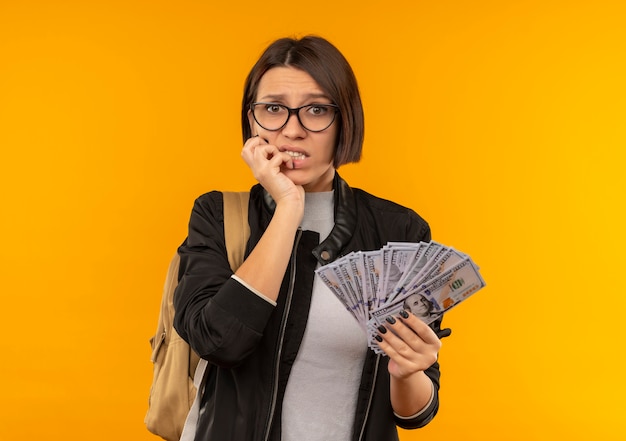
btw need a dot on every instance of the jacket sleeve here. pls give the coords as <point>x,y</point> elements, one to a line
<point>220,318</point>
<point>418,229</point>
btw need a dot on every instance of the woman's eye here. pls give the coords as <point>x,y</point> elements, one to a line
<point>273,108</point>
<point>318,110</point>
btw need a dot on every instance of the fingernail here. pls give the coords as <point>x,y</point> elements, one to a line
<point>404,314</point>
<point>378,338</point>
<point>391,320</point>
<point>382,329</point>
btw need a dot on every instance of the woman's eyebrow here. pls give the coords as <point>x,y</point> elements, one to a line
<point>281,97</point>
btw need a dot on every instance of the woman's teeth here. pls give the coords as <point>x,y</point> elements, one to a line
<point>296,155</point>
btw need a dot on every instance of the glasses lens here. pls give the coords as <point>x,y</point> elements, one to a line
<point>270,116</point>
<point>315,117</point>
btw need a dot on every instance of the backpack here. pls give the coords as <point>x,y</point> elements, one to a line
<point>172,392</point>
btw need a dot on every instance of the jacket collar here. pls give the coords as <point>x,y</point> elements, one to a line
<point>345,221</point>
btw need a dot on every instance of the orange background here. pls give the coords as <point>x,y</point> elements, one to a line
<point>501,122</point>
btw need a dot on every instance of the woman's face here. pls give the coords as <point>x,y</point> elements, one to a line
<point>313,152</point>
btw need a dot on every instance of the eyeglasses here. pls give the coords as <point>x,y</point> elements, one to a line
<point>313,117</point>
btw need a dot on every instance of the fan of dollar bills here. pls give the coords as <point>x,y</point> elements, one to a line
<point>425,278</point>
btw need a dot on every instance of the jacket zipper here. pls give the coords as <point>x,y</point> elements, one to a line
<point>369,401</point>
<point>281,335</point>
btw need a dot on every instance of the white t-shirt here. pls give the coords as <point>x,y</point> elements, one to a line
<point>320,398</point>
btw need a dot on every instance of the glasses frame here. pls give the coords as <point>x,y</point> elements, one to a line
<point>295,111</point>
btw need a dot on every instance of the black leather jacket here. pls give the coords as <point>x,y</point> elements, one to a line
<point>252,344</point>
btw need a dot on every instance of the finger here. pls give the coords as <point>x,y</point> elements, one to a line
<point>405,347</point>
<point>275,157</point>
<point>397,350</point>
<point>420,328</point>
<point>264,151</point>
<point>253,142</point>
<point>402,335</point>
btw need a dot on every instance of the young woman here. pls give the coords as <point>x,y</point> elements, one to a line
<point>288,361</point>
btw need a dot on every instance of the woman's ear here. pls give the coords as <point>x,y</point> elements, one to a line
<point>252,122</point>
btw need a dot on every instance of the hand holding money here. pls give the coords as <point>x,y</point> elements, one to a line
<point>411,344</point>
<point>424,278</point>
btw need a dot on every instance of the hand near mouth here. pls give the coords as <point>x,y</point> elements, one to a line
<point>266,160</point>
<point>295,155</point>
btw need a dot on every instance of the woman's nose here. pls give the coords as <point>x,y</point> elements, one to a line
<point>293,128</point>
